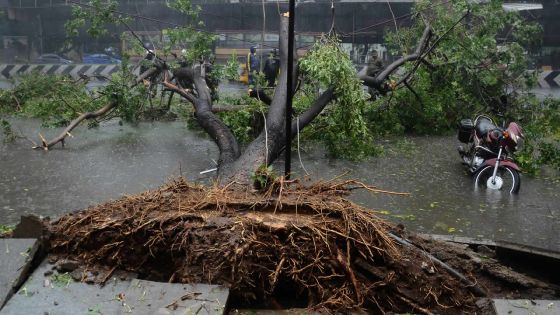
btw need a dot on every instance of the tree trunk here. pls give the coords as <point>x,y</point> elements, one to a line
<point>206,118</point>
<point>237,167</point>
<point>270,143</point>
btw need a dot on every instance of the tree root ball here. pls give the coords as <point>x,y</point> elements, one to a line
<point>292,246</point>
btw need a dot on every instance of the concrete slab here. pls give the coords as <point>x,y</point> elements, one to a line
<point>58,294</point>
<point>15,260</point>
<point>526,307</point>
<point>498,244</point>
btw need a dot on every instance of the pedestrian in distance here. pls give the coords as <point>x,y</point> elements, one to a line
<point>374,67</point>
<point>271,68</point>
<point>253,65</point>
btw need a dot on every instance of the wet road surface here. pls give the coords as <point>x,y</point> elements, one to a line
<point>111,161</point>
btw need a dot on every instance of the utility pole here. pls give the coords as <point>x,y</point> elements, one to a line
<point>41,35</point>
<point>290,91</point>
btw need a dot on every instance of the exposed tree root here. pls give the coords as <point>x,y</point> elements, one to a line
<point>292,243</point>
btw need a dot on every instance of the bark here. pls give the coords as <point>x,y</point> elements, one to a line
<point>266,146</point>
<point>314,110</point>
<point>46,145</point>
<point>260,95</point>
<point>202,103</point>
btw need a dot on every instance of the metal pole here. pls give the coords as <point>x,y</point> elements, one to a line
<point>290,91</point>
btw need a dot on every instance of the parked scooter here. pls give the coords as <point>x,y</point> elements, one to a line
<point>488,153</point>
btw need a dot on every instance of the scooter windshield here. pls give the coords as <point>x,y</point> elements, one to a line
<point>483,125</point>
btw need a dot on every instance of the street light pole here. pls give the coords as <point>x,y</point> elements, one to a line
<point>290,91</point>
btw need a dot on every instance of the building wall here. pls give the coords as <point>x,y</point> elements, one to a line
<point>41,22</point>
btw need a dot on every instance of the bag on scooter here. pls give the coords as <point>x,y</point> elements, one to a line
<point>466,127</point>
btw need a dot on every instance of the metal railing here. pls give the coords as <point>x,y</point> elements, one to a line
<point>32,4</point>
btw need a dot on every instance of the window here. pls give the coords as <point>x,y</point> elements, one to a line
<point>306,38</point>
<point>255,38</point>
<point>271,37</point>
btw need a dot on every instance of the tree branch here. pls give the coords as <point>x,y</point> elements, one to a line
<point>46,145</point>
<point>377,82</point>
<point>426,51</point>
<point>313,111</point>
<point>414,92</point>
<point>277,111</point>
<point>202,103</point>
<point>260,95</point>
<point>178,89</point>
<point>428,64</point>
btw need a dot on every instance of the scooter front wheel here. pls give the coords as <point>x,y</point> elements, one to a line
<point>507,179</point>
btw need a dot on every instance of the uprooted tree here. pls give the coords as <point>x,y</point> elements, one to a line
<point>289,245</point>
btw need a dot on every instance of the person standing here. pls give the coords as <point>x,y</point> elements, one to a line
<point>375,65</point>
<point>271,67</point>
<point>253,65</point>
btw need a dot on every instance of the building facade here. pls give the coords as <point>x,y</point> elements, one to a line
<point>29,28</point>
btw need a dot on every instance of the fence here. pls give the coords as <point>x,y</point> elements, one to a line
<point>549,79</point>
<point>93,71</point>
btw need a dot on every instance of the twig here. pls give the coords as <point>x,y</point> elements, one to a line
<point>394,21</point>
<point>366,187</point>
<point>415,306</point>
<point>350,274</point>
<point>107,276</point>
<point>277,272</point>
<point>17,101</point>
<point>67,104</point>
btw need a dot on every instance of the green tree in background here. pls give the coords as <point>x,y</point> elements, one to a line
<point>480,55</point>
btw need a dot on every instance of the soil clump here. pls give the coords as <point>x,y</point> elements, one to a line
<point>294,245</point>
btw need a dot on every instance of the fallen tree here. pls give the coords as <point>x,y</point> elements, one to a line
<point>439,54</point>
<point>190,80</point>
<point>286,245</point>
<point>236,166</point>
